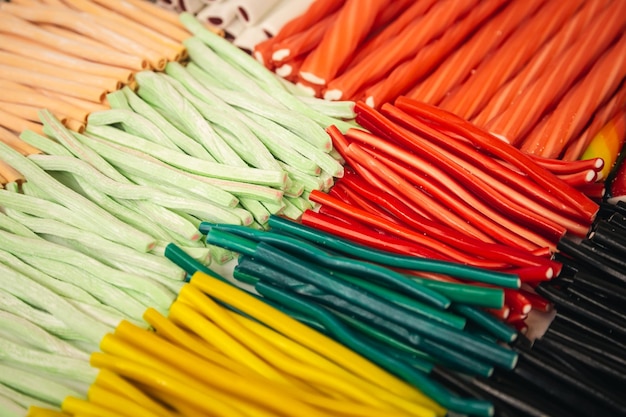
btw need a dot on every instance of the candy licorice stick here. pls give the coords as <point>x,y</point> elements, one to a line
<point>15,142</point>
<point>528,108</point>
<point>611,109</point>
<point>575,109</point>
<point>502,64</point>
<point>20,27</point>
<point>545,56</point>
<point>406,43</point>
<point>459,64</point>
<point>34,50</point>
<point>393,28</point>
<point>302,334</point>
<point>18,61</point>
<point>300,43</point>
<point>299,247</point>
<point>84,24</point>
<point>488,180</point>
<point>146,36</point>
<point>467,205</point>
<point>568,197</point>
<point>340,41</point>
<point>17,124</point>
<point>316,11</point>
<point>155,18</point>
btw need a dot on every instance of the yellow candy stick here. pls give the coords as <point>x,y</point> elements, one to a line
<point>74,405</point>
<point>607,143</point>
<point>303,354</point>
<point>148,376</point>
<point>36,411</point>
<point>115,383</point>
<point>315,375</point>
<point>182,314</point>
<point>169,331</point>
<point>117,403</point>
<point>304,335</point>
<point>253,390</point>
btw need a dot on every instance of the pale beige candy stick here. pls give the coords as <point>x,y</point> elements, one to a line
<point>14,25</point>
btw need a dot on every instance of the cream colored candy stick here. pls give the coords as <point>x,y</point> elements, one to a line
<point>84,24</point>
<point>9,174</point>
<point>88,106</point>
<point>7,136</point>
<point>18,61</point>
<point>28,48</point>
<point>36,79</point>
<point>8,84</point>
<point>16,26</point>
<point>148,37</point>
<point>35,98</point>
<point>151,16</point>
<point>24,111</point>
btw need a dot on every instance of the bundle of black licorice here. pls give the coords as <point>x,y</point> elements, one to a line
<point>578,366</point>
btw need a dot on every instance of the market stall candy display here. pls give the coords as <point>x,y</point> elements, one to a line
<point>355,208</point>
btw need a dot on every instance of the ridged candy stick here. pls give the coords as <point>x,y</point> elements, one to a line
<point>301,42</point>
<point>471,97</point>
<point>547,55</point>
<point>405,75</point>
<point>356,18</point>
<point>314,13</point>
<point>542,93</point>
<point>412,12</point>
<point>577,107</point>
<point>460,64</point>
<point>396,50</point>
<point>611,109</point>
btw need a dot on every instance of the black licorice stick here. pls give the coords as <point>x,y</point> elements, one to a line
<point>605,251</point>
<point>583,340</point>
<point>599,285</point>
<point>580,325</point>
<point>580,252</point>
<point>515,394</point>
<point>552,385</point>
<point>606,353</point>
<point>565,302</point>
<point>617,220</point>
<point>569,378</point>
<point>595,362</point>
<point>610,237</point>
<point>598,305</point>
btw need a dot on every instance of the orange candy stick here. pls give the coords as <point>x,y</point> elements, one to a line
<point>403,46</point>
<point>18,124</point>
<point>405,75</point>
<point>395,27</point>
<point>460,64</point>
<point>356,18</point>
<point>505,62</point>
<point>547,55</point>
<point>301,42</point>
<point>579,104</point>
<point>317,11</point>
<point>612,108</point>
<point>528,108</point>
